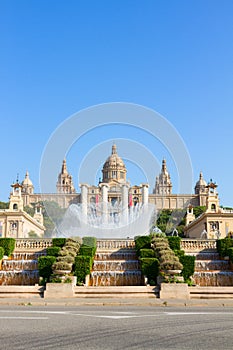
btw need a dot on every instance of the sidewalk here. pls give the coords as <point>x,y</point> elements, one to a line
<point>152,302</point>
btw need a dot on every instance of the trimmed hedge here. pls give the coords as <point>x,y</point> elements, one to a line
<point>45,265</point>
<point>82,267</point>
<point>188,263</point>
<point>58,242</point>
<point>230,254</point>
<point>150,269</point>
<point>53,251</point>
<point>87,250</point>
<point>8,244</point>
<point>147,253</point>
<point>90,241</point>
<point>223,245</point>
<point>174,242</point>
<point>1,253</point>
<point>142,242</point>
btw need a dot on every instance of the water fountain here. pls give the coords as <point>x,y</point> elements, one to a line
<point>113,222</point>
<point>106,221</point>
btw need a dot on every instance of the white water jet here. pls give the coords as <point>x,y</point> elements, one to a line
<point>107,220</point>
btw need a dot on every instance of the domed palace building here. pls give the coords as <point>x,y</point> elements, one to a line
<point>114,177</point>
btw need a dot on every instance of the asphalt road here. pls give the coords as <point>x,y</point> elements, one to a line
<point>122,327</point>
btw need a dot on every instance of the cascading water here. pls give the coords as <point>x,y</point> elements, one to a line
<point>210,270</point>
<point>115,267</point>
<point>20,269</point>
<point>107,220</point>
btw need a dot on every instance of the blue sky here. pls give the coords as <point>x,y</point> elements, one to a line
<point>58,57</point>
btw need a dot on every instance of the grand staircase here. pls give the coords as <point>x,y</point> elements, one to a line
<point>213,276</point>
<point>116,272</point>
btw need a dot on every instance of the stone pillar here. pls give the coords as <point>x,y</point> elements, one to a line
<point>124,201</point>
<point>145,194</point>
<point>104,193</point>
<point>84,193</point>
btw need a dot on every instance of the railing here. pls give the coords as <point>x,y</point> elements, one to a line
<point>196,245</point>
<point>32,244</point>
<point>188,245</point>
<point>115,243</point>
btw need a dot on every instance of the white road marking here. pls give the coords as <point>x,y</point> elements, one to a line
<point>108,314</point>
<point>22,318</point>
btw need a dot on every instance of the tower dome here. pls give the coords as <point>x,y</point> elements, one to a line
<point>200,185</point>
<point>114,168</point>
<point>27,185</point>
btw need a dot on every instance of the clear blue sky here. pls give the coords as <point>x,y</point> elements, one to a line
<point>58,57</point>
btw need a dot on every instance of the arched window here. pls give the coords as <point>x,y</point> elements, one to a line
<point>15,206</point>
<point>213,207</point>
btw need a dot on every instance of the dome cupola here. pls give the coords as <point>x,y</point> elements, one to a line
<point>114,168</point>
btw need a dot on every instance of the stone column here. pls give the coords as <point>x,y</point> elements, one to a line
<point>104,193</point>
<point>84,193</point>
<point>124,201</point>
<point>145,194</point>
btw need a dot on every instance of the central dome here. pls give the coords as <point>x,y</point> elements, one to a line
<point>114,168</point>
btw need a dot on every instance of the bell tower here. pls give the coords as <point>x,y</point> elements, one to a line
<point>16,201</point>
<point>163,184</point>
<point>212,198</point>
<point>65,182</point>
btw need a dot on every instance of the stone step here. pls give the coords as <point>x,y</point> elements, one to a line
<point>211,292</point>
<point>21,291</point>
<point>118,291</point>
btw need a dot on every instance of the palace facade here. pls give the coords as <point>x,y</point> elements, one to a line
<point>113,179</point>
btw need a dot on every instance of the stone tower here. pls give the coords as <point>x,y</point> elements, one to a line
<point>201,190</point>
<point>38,215</point>
<point>190,217</point>
<point>27,185</point>
<point>163,184</point>
<point>65,182</point>
<point>16,201</point>
<point>212,202</point>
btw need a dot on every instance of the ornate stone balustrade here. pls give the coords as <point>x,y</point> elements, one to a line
<point>188,245</point>
<point>115,244</point>
<point>32,244</point>
<point>197,245</point>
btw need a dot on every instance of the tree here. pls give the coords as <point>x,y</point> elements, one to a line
<point>29,210</point>
<point>197,211</point>
<point>4,205</point>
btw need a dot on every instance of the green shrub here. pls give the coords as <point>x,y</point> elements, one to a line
<point>53,251</point>
<point>45,265</point>
<point>223,245</point>
<point>61,265</point>
<point>87,250</point>
<point>58,242</point>
<point>1,253</point>
<point>8,244</point>
<point>55,279</point>
<point>67,258</point>
<point>230,254</point>
<point>174,242</point>
<point>179,253</point>
<point>90,241</point>
<point>188,263</point>
<point>82,268</point>
<point>147,253</point>
<point>150,269</point>
<point>142,242</point>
